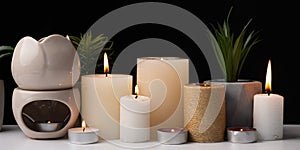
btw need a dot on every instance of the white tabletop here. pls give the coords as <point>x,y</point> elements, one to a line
<point>12,138</point>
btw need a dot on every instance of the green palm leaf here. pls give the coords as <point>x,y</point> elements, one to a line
<point>89,49</point>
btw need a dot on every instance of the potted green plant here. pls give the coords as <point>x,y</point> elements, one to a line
<point>231,50</point>
<point>5,55</point>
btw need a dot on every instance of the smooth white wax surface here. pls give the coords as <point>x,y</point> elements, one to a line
<point>134,118</point>
<point>162,79</point>
<point>100,102</point>
<point>268,116</point>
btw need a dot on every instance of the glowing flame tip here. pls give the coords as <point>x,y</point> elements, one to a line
<point>268,87</point>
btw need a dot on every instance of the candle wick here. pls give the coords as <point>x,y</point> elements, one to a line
<point>106,74</point>
<point>83,129</point>
<point>268,92</point>
<point>136,96</point>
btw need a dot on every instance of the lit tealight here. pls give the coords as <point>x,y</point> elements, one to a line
<point>241,134</point>
<point>172,135</point>
<point>83,134</point>
<point>48,126</point>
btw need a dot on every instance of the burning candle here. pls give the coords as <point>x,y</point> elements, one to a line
<point>100,100</point>
<point>268,112</point>
<point>171,136</point>
<point>83,134</point>
<point>241,134</point>
<point>135,118</point>
<point>48,126</point>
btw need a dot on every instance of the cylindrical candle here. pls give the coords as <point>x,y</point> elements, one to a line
<point>80,136</point>
<point>48,126</point>
<point>268,112</point>
<point>100,102</point>
<point>1,103</point>
<point>204,112</point>
<point>162,79</point>
<point>241,134</point>
<point>134,118</point>
<point>172,136</point>
<point>268,116</point>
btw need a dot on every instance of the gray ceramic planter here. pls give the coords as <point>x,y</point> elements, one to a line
<point>239,101</point>
<point>1,103</point>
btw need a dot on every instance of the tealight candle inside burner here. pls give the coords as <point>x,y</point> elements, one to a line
<point>48,126</point>
<point>172,135</point>
<point>241,134</point>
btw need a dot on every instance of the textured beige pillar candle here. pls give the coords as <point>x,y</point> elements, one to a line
<point>101,102</point>
<point>204,112</point>
<point>162,79</point>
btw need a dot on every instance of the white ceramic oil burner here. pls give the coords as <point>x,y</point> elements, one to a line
<point>45,104</point>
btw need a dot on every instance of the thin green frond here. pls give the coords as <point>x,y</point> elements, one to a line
<point>4,47</point>
<point>232,51</point>
<point>89,49</point>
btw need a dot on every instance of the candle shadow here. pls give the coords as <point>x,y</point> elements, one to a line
<point>291,132</point>
<point>6,129</point>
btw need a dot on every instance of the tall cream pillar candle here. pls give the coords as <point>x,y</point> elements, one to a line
<point>101,102</point>
<point>268,112</point>
<point>162,79</point>
<point>101,95</point>
<point>134,118</point>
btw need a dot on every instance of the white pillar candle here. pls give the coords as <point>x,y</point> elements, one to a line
<point>162,79</point>
<point>134,118</point>
<point>100,102</point>
<point>268,116</point>
<point>268,112</point>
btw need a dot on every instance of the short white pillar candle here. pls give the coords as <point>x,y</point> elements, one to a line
<point>134,118</point>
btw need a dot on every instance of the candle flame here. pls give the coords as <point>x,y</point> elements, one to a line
<point>106,66</point>
<point>83,125</point>
<point>172,130</point>
<point>67,37</point>
<point>136,91</point>
<point>242,130</point>
<point>49,121</point>
<point>205,84</point>
<point>268,88</point>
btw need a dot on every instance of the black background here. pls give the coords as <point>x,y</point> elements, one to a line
<point>276,21</point>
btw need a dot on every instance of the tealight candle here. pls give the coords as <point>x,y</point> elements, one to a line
<point>48,126</point>
<point>241,134</point>
<point>172,136</point>
<point>83,135</point>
